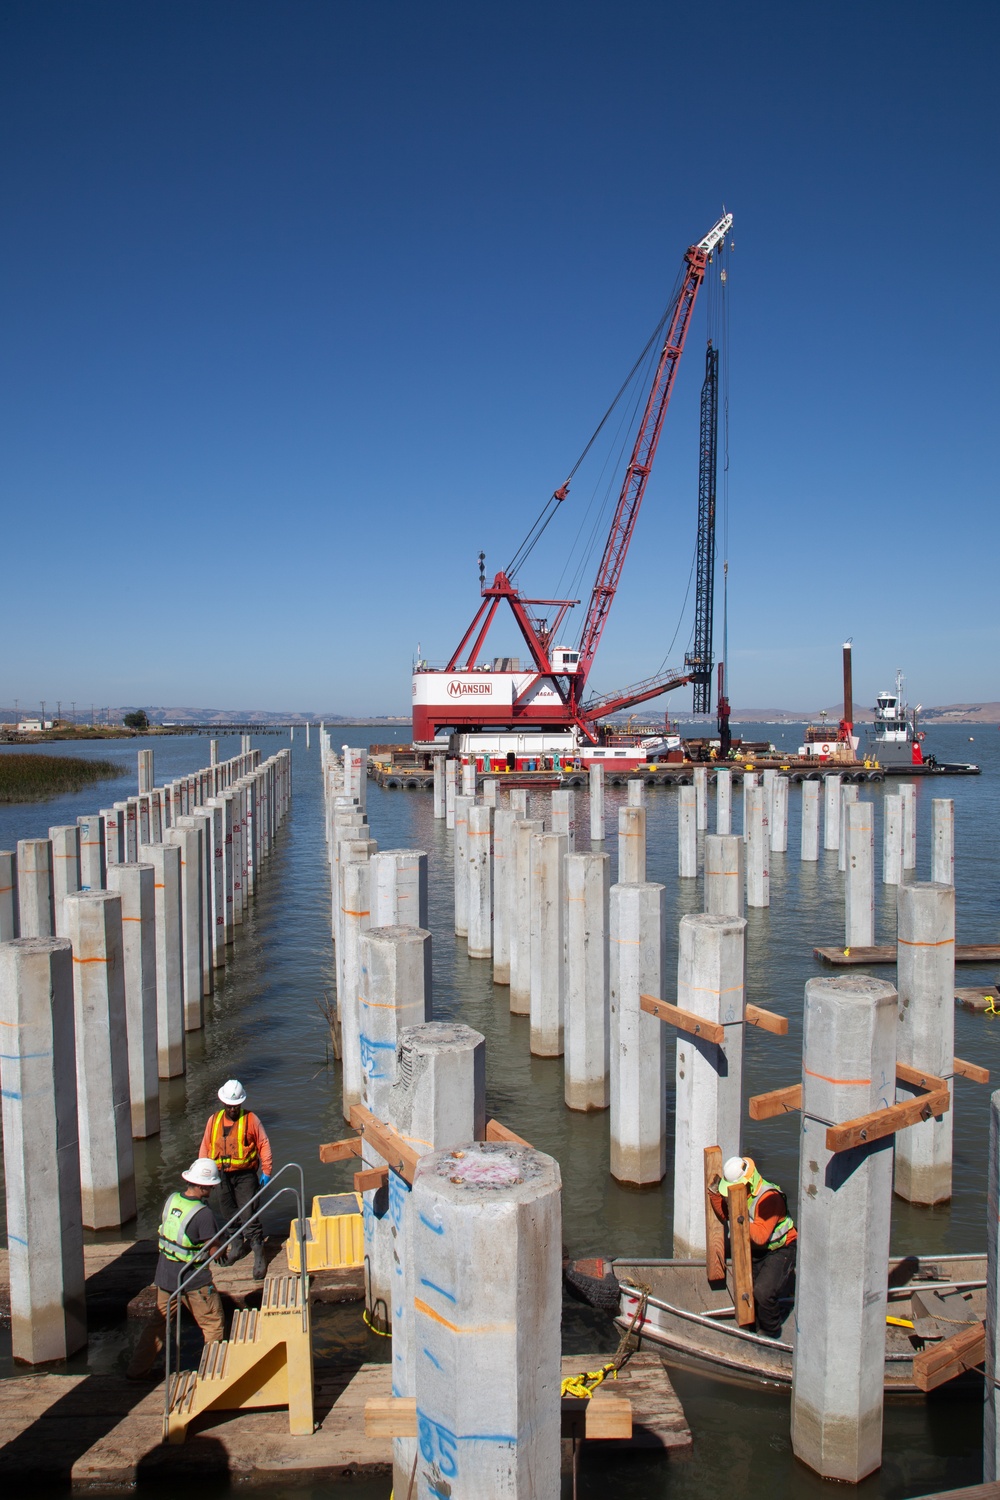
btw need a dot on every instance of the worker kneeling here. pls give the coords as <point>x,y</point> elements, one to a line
<point>188,1234</point>
<point>772,1239</point>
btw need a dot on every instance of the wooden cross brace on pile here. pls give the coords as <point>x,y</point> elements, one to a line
<point>604,1416</point>
<point>395,1151</point>
<point>933,1099</point>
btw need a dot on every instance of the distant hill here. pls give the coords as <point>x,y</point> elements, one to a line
<point>951,713</point>
<point>209,716</point>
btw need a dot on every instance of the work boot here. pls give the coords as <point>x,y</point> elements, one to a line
<point>236,1252</point>
<point>259,1263</point>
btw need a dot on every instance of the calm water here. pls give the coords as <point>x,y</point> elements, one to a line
<point>264,1027</point>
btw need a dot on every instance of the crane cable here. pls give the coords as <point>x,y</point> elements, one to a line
<point>555,500</point>
<point>724,327</point>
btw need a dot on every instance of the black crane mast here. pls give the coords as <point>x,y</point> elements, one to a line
<point>699,659</point>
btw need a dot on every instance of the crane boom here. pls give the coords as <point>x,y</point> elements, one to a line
<point>643,453</point>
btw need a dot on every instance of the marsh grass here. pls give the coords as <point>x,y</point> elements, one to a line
<point>32,778</point>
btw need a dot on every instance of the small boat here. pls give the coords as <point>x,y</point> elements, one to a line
<point>894,739</point>
<point>695,1322</point>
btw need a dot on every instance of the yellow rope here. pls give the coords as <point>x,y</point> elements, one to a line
<point>586,1384</point>
<point>382,1333</point>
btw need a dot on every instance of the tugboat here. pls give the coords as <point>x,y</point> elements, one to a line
<point>894,739</point>
<point>896,744</point>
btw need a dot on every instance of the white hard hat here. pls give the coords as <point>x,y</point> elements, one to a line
<point>736,1169</point>
<point>233,1093</point>
<point>203,1173</point>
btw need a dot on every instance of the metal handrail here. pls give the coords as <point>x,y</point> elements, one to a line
<point>176,1296</point>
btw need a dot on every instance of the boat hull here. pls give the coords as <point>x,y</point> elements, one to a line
<point>682,1318</point>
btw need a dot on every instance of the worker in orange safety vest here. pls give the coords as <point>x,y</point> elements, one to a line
<point>773,1239</point>
<point>237,1142</point>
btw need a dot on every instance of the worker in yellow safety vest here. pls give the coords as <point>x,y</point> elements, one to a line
<point>237,1142</point>
<point>773,1239</point>
<point>188,1233</point>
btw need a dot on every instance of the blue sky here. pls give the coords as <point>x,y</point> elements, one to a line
<point>305,303</point>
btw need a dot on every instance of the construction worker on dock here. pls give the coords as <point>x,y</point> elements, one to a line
<point>237,1142</point>
<point>773,1238</point>
<point>188,1233</point>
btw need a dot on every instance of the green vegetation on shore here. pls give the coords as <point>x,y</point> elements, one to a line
<point>32,778</point>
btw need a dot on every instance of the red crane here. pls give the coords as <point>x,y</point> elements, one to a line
<point>550,693</point>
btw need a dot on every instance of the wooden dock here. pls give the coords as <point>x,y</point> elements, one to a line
<point>120,1275</point>
<point>90,1430</point>
<point>983,997</point>
<point>970,1492</point>
<point>965,953</point>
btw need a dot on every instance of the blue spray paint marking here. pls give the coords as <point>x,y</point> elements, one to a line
<point>437,1228</point>
<point>397,1198</point>
<point>439,1445</point>
<point>434,1288</point>
<point>9,1094</point>
<point>435,1362</point>
<point>17,1238</point>
<point>23,1056</point>
<point>369,1055</point>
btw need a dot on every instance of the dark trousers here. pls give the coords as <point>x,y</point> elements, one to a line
<point>235,1191</point>
<point>773,1278</point>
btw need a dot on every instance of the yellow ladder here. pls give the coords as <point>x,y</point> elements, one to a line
<point>266,1361</point>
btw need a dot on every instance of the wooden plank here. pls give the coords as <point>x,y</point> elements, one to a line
<point>864,1129</point>
<point>371,1180</point>
<point>972,1071</point>
<point>605,1416</point>
<point>914,1078</point>
<point>965,953</point>
<point>766,1020</point>
<point>391,1416</point>
<point>739,1240</point>
<point>777,1102</point>
<point>943,1361</point>
<point>684,1020</point>
<point>497,1132</point>
<point>397,1153</point>
<point>715,1230</point>
<point>340,1150</point>
<point>602,1417</point>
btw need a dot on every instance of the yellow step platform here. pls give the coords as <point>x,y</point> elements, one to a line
<point>335,1236</point>
<point>266,1361</point>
